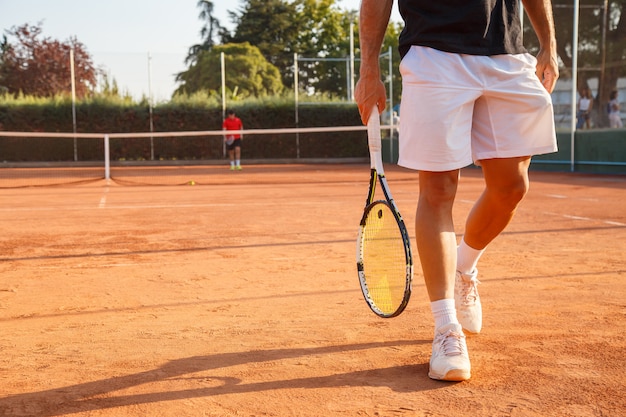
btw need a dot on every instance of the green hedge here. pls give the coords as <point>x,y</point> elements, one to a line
<point>120,116</point>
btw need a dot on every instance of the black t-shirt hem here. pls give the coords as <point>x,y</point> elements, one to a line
<point>446,47</point>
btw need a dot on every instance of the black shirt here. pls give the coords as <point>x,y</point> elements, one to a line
<point>474,27</point>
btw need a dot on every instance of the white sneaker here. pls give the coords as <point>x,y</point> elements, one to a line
<point>467,301</point>
<point>449,360</point>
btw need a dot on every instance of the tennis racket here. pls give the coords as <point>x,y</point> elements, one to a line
<point>383,256</point>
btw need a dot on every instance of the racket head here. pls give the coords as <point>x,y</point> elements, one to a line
<point>384,262</point>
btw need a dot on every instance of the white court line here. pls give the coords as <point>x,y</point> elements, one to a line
<point>572,217</point>
<point>614,223</point>
<point>110,207</point>
<point>109,265</point>
<point>564,197</point>
<point>103,199</point>
<point>164,206</point>
<point>587,219</point>
<point>568,216</point>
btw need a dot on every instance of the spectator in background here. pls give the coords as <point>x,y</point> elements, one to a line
<point>395,120</point>
<point>585,104</point>
<point>615,119</point>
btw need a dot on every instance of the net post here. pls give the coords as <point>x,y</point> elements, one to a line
<point>295,93</point>
<point>391,123</point>
<point>351,98</point>
<point>574,86</point>
<point>107,159</point>
<point>223,73</point>
<point>73,82</point>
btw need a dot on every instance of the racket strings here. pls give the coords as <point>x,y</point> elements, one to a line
<point>384,259</point>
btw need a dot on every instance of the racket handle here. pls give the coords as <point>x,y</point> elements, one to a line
<point>373,131</point>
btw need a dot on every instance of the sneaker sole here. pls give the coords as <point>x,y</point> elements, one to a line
<point>472,331</point>
<point>452,375</point>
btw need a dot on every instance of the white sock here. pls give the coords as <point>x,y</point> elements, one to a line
<point>467,257</point>
<point>232,163</point>
<point>444,312</point>
<point>237,162</point>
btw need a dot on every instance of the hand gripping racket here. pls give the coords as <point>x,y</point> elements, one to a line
<point>383,255</point>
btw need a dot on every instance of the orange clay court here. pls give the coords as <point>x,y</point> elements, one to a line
<point>239,297</point>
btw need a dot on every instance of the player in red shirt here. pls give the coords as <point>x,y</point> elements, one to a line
<point>233,141</point>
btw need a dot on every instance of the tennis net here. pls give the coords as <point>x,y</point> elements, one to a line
<point>162,158</point>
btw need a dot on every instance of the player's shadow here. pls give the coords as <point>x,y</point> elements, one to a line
<point>100,394</point>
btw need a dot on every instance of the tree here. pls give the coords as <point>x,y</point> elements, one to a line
<point>392,41</point>
<point>310,28</point>
<point>4,45</point>
<point>270,26</point>
<point>324,33</point>
<point>209,29</point>
<point>601,44</point>
<point>40,66</point>
<point>247,72</point>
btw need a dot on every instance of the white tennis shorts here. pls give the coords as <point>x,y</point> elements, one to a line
<point>457,109</point>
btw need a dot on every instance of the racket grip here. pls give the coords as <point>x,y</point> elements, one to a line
<point>373,130</point>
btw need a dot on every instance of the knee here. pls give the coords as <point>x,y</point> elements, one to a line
<point>438,191</point>
<point>512,193</point>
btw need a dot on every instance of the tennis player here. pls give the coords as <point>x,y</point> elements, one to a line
<point>233,141</point>
<point>470,93</point>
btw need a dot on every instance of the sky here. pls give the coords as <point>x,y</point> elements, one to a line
<point>142,44</point>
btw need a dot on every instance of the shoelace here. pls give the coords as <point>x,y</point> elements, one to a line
<point>470,290</point>
<point>450,341</point>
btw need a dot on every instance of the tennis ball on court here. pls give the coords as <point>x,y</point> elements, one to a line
<point>192,182</point>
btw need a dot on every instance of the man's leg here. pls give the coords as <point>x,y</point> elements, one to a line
<point>436,244</point>
<point>506,184</point>
<point>231,155</point>
<point>238,157</point>
<point>434,231</point>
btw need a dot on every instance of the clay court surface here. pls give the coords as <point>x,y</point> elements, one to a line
<point>239,297</point>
